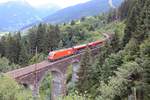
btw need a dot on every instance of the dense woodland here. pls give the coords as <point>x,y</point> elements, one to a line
<point>121,71</point>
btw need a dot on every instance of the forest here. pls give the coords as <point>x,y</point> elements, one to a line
<point>121,70</point>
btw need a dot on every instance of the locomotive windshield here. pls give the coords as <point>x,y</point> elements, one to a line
<point>51,54</point>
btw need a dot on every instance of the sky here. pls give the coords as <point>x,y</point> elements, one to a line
<point>61,3</point>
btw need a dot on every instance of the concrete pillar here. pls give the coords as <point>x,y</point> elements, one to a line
<point>75,66</point>
<point>58,85</point>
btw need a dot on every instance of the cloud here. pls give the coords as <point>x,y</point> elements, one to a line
<point>111,4</point>
<point>62,3</point>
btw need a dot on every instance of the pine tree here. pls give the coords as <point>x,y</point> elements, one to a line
<point>131,24</point>
<point>143,22</point>
<point>145,55</point>
<point>32,40</point>
<point>11,49</point>
<point>52,37</point>
<point>131,50</point>
<point>56,36</point>
<point>40,38</point>
<point>70,36</point>
<point>146,79</point>
<point>23,55</point>
<point>84,73</point>
<point>2,46</point>
<point>115,43</point>
<point>73,22</point>
<point>125,8</point>
<point>91,28</point>
<point>18,45</point>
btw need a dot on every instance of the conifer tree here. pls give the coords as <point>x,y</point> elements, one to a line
<point>40,37</point>
<point>23,55</point>
<point>84,73</point>
<point>115,43</point>
<point>145,55</point>
<point>11,49</point>
<point>125,8</point>
<point>52,37</point>
<point>3,46</point>
<point>18,45</point>
<point>131,24</point>
<point>143,22</point>
<point>32,40</point>
<point>73,22</point>
<point>131,50</point>
<point>146,79</point>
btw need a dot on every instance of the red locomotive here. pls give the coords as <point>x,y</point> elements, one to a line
<point>58,54</point>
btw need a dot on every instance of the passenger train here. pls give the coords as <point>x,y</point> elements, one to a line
<point>58,54</point>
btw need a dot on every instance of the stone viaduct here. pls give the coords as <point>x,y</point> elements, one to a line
<point>32,76</point>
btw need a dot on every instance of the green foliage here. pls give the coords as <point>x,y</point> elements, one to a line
<point>83,83</point>
<point>74,96</point>
<point>10,90</point>
<point>37,58</point>
<point>145,63</point>
<point>131,50</point>
<point>146,79</point>
<point>145,48</point>
<point>73,22</point>
<point>45,88</point>
<point>125,9</point>
<point>40,37</point>
<point>115,43</point>
<point>118,86</point>
<point>69,73</point>
<point>23,56</point>
<point>113,90</point>
<point>137,22</point>
<point>5,65</point>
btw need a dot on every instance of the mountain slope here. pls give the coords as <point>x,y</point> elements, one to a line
<point>15,15</point>
<point>47,9</point>
<point>90,8</point>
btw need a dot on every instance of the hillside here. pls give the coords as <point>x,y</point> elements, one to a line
<point>20,15</point>
<point>47,9</point>
<point>91,8</point>
<point>16,15</point>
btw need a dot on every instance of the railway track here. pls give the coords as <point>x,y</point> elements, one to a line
<point>44,64</point>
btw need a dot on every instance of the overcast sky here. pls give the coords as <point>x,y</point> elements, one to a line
<point>61,3</point>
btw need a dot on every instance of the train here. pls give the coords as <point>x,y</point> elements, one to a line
<point>59,54</point>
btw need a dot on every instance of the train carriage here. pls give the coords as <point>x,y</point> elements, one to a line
<point>58,54</point>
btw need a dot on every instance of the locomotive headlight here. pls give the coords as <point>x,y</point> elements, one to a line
<point>49,53</point>
<point>69,52</point>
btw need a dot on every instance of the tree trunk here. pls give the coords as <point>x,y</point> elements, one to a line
<point>134,92</point>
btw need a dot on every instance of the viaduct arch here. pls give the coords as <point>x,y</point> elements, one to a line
<point>33,75</point>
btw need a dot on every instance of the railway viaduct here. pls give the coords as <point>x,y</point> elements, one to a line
<point>33,75</point>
